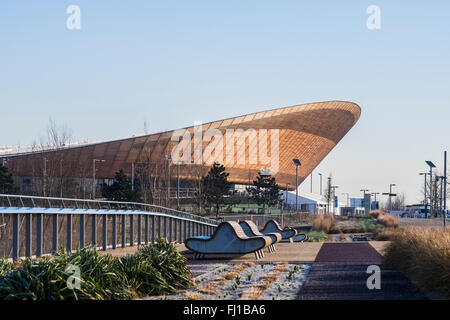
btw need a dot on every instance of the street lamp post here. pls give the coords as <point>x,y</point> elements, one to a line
<point>132,176</point>
<point>390,195</point>
<point>287,186</point>
<point>445,188</point>
<point>431,165</point>
<point>334,195</point>
<point>440,179</point>
<point>375,198</point>
<point>61,178</point>
<point>44,182</point>
<point>93,176</point>
<point>364,196</point>
<point>311,182</point>
<point>169,159</point>
<point>348,195</point>
<point>178,185</point>
<point>425,202</point>
<point>320,183</point>
<point>297,164</point>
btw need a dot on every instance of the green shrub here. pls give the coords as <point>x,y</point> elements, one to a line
<point>153,270</point>
<point>102,275</point>
<point>316,236</point>
<point>143,277</point>
<point>5,266</point>
<point>165,258</point>
<point>46,278</point>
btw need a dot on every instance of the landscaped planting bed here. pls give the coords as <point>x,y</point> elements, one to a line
<point>153,270</point>
<point>247,281</point>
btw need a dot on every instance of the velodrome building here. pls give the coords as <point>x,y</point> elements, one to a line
<point>267,140</point>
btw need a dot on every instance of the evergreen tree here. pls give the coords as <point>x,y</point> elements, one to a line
<point>121,189</point>
<point>265,191</point>
<point>215,186</point>
<point>6,180</point>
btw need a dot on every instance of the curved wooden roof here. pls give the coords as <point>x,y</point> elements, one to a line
<point>307,132</point>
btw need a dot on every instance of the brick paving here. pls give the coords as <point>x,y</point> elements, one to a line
<point>339,273</point>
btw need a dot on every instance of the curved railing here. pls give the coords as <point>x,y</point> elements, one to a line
<point>31,211</point>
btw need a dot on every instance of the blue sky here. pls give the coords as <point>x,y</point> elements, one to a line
<point>170,63</point>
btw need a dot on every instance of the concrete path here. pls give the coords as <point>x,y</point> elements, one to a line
<point>296,252</point>
<point>339,273</point>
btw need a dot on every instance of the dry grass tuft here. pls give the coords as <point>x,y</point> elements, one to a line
<point>322,223</point>
<point>388,220</point>
<point>237,270</point>
<point>208,290</point>
<point>377,212</point>
<point>192,295</point>
<point>385,234</point>
<point>424,255</point>
<point>256,290</point>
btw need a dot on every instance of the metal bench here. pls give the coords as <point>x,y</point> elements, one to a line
<point>272,226</point>
<point>228,238</point>
<point>251,230</point>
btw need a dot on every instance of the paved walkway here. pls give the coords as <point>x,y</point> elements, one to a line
<point>297,252</point>
<point>339,273</point>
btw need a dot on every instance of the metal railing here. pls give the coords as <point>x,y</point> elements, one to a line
<point>152,222</point>
<point>181,193</point>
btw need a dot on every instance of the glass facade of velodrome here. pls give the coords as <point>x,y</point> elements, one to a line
<point>307,132</point>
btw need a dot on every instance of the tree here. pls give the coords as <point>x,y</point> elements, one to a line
<point>215,186</point>
<point>265,191</point>
<point>121,189</point>
<point>398,203</point>
<point>6,180</point>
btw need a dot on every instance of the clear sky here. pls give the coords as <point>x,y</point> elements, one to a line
<point>170,63</point>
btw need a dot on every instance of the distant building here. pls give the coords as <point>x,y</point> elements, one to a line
<point>314,203</point>
<point>356,202</point>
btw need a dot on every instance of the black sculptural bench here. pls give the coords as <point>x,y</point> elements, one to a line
<point>228,238</point>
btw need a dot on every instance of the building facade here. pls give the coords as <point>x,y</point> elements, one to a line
<point>245,144</point>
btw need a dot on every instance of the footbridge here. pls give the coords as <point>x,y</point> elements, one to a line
<point>35,226</point>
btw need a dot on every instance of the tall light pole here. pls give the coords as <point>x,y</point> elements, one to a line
<point>375,196</point>
<point>132,176</point>
<point>61,176</point>
<point>44,182</point>
<point>287,186</point>
<point>93,176</point>
<point>169,159</point>
<point>445,188</point>
<point>425,202</point>
<point>441,180</point>
<point>364,195</point>
<point>334,194</point>
<point>320,183</point>
<point>178,185</point>
<point>348,195</point>
<point>391,195</point>
<point>431,165</point>
<point>311,182</point>
<point>297,164</point>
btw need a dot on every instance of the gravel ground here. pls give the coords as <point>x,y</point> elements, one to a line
<point>264,281</point>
